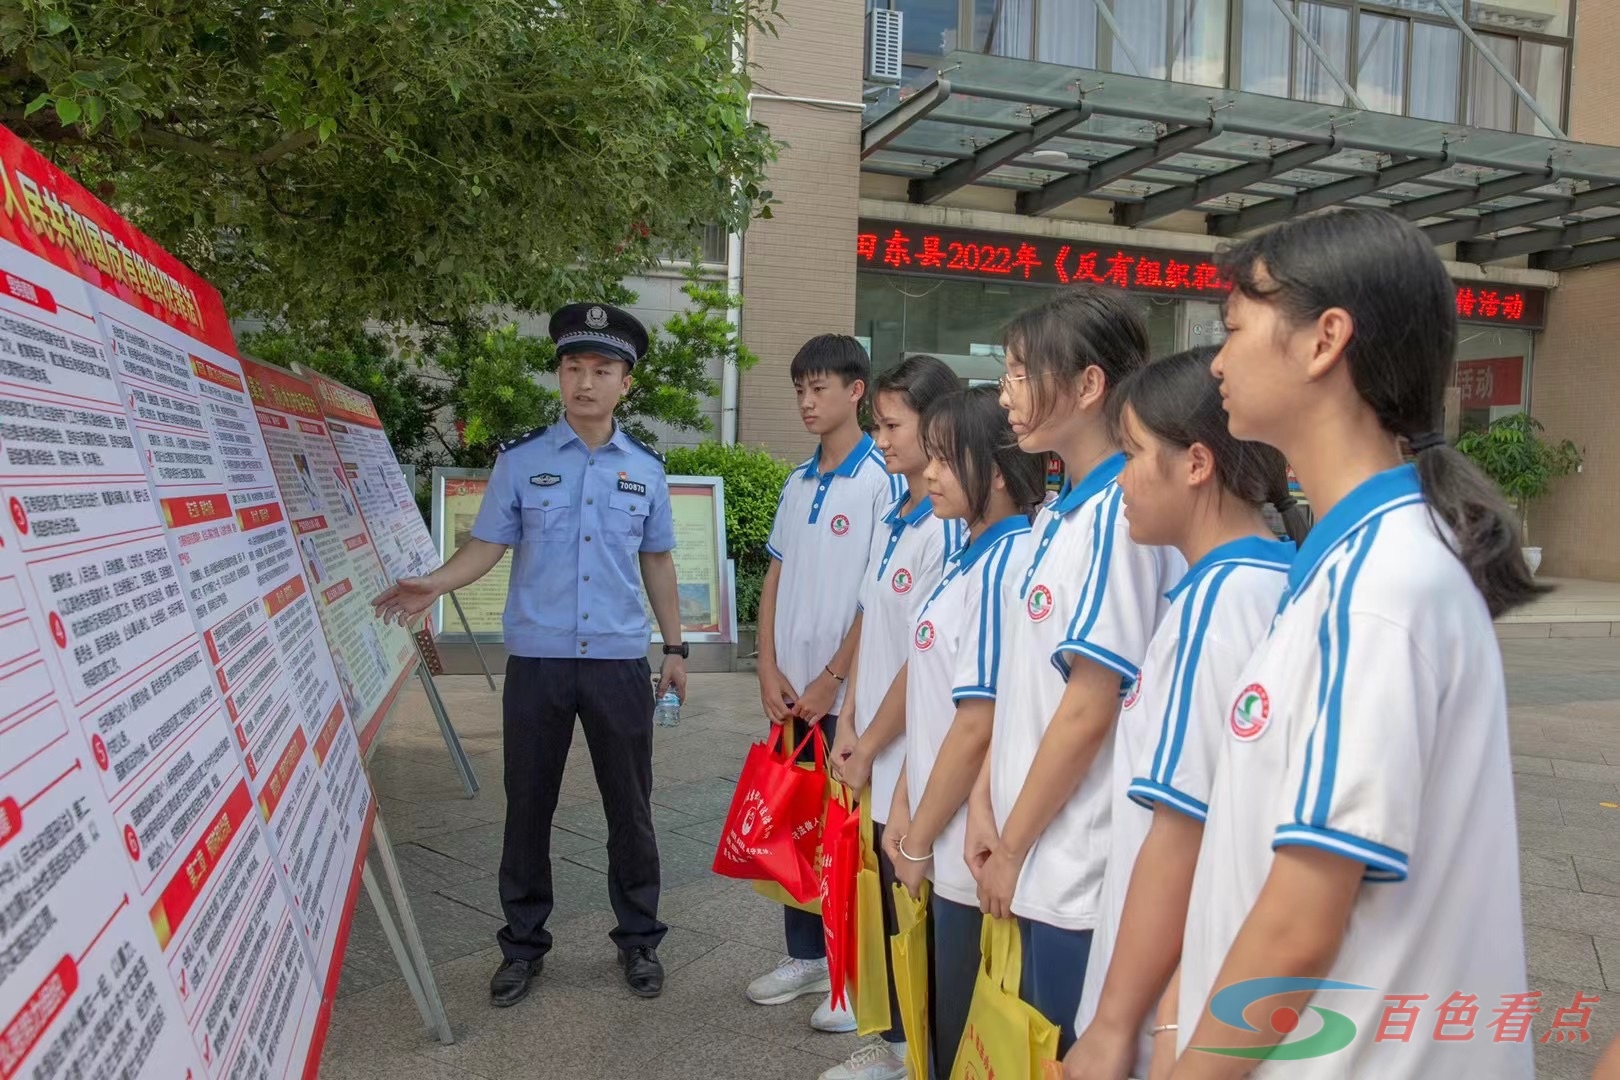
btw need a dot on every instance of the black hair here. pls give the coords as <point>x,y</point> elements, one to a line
<point>832,354</point>
<point>1178,400</point>
<point>1384,272</point>
<point>919,380</point>
<point>969,431</point>
<point>1079,328</point>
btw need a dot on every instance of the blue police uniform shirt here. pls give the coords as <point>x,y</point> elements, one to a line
<point>576,519</point>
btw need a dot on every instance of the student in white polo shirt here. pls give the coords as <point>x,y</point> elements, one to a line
<point>1361,828</point>
<point>1189,484</point>
<point>809,621</point>
<point>975,473</point>
<point>1079,611</point>
<point>905,562</point>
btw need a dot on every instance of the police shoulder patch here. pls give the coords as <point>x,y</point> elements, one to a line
<point>644,446</point>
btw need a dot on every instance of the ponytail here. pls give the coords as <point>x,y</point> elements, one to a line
<point>1295,518</point>
<point>1485,528</point>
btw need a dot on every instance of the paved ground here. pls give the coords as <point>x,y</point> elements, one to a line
<point>581,1023</point>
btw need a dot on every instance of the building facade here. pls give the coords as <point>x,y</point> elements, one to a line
<point>947,162</point>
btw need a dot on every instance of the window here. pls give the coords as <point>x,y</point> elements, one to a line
<point>1265,39</point>
<point>1490,98</point>
<point>1329,27</point>
<point>929,26</point>
<point>1381,63</point>
<point>1067,33</point>
<point>1541,72</point>
<point>1436,71</point>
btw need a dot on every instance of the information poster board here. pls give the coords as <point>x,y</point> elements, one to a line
<point>372,658</point>
<point>457,494</point>
<point>386,503</point>
<point>702,572</point>
<point>183,809</point>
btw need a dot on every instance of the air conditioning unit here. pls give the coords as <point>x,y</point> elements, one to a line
<point>883,45</point>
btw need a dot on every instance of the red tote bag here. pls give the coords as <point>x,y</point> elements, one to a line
<point>773,829</point>
<point>841,863</point>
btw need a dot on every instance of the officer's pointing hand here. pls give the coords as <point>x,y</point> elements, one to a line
<point>405,600</point>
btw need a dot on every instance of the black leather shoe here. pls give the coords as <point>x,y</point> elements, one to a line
<point>510,983</point>
<point>642,971</point>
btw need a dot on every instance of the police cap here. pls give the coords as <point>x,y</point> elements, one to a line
<point>599,328</point>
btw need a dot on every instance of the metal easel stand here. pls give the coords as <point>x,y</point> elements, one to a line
<point>431,665</point>
<point>409,953</point>
<point>472,637</point>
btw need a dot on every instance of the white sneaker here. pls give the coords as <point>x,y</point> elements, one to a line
<point>792,979</point>
<point>876,1060</point>
<point>835,1021</point>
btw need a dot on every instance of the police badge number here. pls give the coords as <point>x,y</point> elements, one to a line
<point>634,487</point>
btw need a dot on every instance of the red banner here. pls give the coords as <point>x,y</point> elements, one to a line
<point>329,732</point>
<point>341,403</point>
<point>1497,381</point>
<point>36,1015</point>
<point>45,212</point>
<point>257,517</point>
<point>276,786</point>
<point>309,524</point>
<point>277,601</point>
<point>215,374</point>
<point>182,891</point>
<point>273,388</point>
<point>187,510</point>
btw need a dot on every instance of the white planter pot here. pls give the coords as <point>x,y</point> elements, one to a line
<point>1532,556</point>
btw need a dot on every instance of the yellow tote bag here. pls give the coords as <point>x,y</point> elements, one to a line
<point>871,937</point>
<point>910,949</point>
<point>1005,1036</point>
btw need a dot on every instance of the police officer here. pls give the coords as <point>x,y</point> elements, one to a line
<point>585,507</point>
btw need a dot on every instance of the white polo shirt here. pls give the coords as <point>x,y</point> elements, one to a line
<point>905,563</point>
<point>821,536</point>
<point>955,651</point>
<point>1171,719</point>
<point>1372,723</point>
<point>1085,589</point>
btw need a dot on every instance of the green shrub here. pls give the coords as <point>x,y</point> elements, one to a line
<point>753,481</point>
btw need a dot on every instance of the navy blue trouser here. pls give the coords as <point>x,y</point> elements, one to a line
<point>1054,974</point>
<point>953,971</point>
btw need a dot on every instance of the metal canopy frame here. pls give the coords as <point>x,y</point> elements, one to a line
<point>1154,148</point>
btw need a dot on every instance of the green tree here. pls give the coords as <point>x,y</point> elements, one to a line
<point>753,484</point>
<point>408,164</point>
<point>1513,453</point>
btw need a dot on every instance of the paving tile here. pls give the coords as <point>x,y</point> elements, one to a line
<point>1591,813</point>
<point>1565,789</point>
<point>1598,875</point>
<point>1580,913</point>
<point>728,909</point>
<point>587,819</point>
<point>707,831</point>
<point>420,860</point>
<point>699,801</point>
<point>1548,868</point>
<point>584,955</point>
<point>724,1055</point>
<point>407,821</point>
<point>1554,1062</point>
<point>480,845</point>
<point>1537,808</point>
<point>1585,770</point>
<point>1526,763</point>
<point>1561,956</point>
<point>681,860</point>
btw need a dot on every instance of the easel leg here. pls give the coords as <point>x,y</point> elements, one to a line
<point>432,1005</point>
<point>452,741</point>
<point>472,637</point>
<point>407,966</point>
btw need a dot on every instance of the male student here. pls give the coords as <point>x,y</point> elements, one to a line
<point>809,629</point>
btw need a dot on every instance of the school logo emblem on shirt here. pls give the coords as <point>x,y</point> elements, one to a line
<point>545,479</point>
<point>1132,695</point>
<point>840,524</point>
<point>1251,713</point>
<point>1040,603</point>
<point>901,582</point>
<point>925,636</point>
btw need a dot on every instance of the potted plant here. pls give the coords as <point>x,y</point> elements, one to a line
<point>1513,453</point>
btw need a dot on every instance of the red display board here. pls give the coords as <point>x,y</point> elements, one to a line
<point>1497,381</point>
<point>183,803</point>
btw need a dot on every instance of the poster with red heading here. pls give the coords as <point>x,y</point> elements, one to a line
<point>183,808</point>
<point>372,658</point>
<point>387,504</point>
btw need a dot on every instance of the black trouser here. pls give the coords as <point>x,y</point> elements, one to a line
<point>613,700</point>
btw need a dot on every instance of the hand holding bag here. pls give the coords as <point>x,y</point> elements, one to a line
<point>1005,1036</point>
<point>773,829</point>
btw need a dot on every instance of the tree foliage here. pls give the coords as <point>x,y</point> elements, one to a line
<point>1513,453</point>
<point>753,485</point>
<point>403,163</point>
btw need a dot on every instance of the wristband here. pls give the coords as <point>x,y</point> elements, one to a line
<point>1162,1028</point>
<point>833,673</point>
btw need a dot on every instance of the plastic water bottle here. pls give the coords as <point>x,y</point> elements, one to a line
<point>668,712</point>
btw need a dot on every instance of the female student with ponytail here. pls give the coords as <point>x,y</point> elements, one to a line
<point>1361,830</point>
<point>1189,484</point>
<point>1080,605</point>
<point>977,474</point>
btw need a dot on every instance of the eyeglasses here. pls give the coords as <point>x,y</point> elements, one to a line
<point>1006,381</point>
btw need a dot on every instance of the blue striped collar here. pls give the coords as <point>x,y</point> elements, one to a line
<point>895,517</point>
<point>847,467</point>
<point>1252,550</point>
<point>1374,496</point>
<point>1073,496</point>
<point>974,551</point>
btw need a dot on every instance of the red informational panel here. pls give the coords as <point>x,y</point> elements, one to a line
<point>1497,381</point>
<point>183,805</point>
<point>372,658</point>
